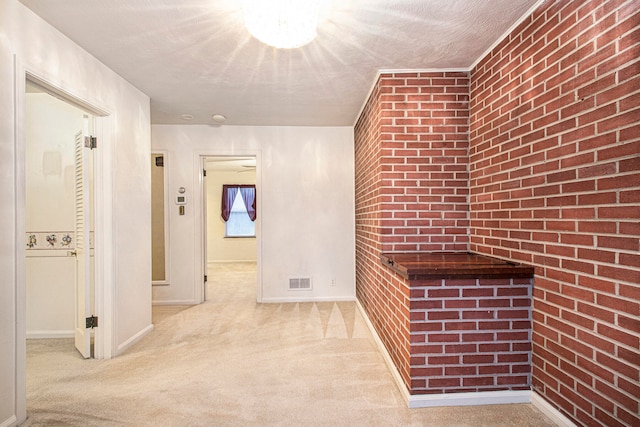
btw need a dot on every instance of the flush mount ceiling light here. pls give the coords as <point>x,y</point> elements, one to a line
<point>284,24</point>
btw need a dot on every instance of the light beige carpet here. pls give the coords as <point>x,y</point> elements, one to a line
<point>233,362</point>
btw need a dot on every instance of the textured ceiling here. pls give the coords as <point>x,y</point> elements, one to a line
<point>195,56</point>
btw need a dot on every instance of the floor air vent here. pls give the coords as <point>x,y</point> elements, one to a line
<point>302,283</point>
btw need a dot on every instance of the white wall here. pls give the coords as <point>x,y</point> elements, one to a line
<point>42,50</point>
<point>305,190</point>
<point>219,248</point>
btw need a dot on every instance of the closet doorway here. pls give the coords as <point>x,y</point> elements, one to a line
<point>59,206</point>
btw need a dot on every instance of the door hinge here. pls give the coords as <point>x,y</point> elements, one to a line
<point>92,322</point>
<point>204,172</point>
<point>205,278</point>
<point>90,142</point>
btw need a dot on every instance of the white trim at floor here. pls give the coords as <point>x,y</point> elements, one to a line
<point>464,399</point>
<point>306,299</point>
<point>232,261</point>
<point>552,413</point>
<point>9,421</point>
<point>49,334</point>
<point>174,302</point>
<point>470,398</point>
<point>134,339</point>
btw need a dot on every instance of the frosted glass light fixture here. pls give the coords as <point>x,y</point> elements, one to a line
<point>284,24</point>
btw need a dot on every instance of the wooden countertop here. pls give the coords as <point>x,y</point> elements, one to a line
<point>453,265</point>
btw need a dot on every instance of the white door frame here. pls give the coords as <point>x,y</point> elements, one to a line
<point>104,257</point>
<point>201,220</point>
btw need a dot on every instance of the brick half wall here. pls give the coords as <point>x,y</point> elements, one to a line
<point>470,335</point>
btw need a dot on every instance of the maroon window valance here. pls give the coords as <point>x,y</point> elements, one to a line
<point>248,193</point>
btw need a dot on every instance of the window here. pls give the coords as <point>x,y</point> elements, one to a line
<point>240,216</point>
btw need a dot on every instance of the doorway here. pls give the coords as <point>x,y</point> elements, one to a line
<point>52,166</point>
<point>59,221</point>
<point>230,243</point>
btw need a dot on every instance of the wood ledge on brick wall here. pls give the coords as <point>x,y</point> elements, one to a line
<point>453,265</point>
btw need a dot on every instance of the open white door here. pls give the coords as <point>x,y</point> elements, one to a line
<point>82,250</point>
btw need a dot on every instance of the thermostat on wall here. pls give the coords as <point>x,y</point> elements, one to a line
<point>181,200</point>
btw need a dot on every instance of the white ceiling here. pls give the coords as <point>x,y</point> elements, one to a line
<point>195,56</point>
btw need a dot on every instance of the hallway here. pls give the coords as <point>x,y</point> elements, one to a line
<point>232,362</point>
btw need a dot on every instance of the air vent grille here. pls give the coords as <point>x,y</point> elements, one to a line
<point>300,283</point>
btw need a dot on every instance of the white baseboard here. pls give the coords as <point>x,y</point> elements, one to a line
<point>160,283</point>
<point>134,339</point>
<point>307,299</point>
<point>470,399</point>
<point>445,399</point>
<point>232,261</point>
<point>174,302</point>
<point>11,421</point>
<point>50,334</point>
<point>552,413</point>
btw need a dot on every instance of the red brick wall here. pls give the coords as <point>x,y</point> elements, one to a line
<point>382,299</point>
<point>411,154</point>
<point>470,335</point>
<point>367,160</point>
<point>555,182</point>
<point>393,318</point>
<point>424,161</point>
